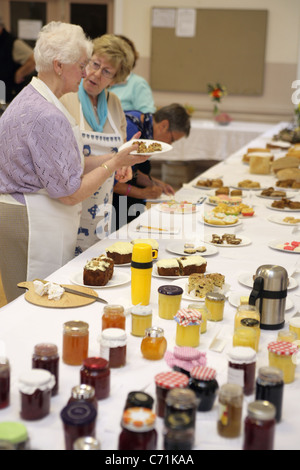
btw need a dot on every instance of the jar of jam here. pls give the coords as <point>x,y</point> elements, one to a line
<point>113,343</point>
<point>188,327</point>
<point>166,381</point>
<point>287,335</point>
<point>154,344</point>
<point>139,399</point>
<point>241,368</point>
<point>180,419</point>
<point>79,420</point>
<point>259,426</point>
<point>269,387</point>
<point>45,356</point>
<point>203,382</point>
<point>204,316</point>
<point>294,325</point>
<point>141,319</point>
<point>113,317</point>
<point>230,410</point>
<point>95,372</point>
<point>16,434</point>
<point>138,430</point>
<point>245,336</point>
<point>283,355</point>
<point>169,300</point>
<point>84,392</point>
<point>75,342</point>
<point>35,389</point>
<point>215,302</point>
<point>4,383</point>
<point>87,443</point>
<point>245,311</point>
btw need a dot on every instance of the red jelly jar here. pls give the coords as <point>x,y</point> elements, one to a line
<point>79,420</point>
<point>259,426</point>
<point>35,388</point>
<point>164,382</point>
<point>45,356</point>
<point>4,383</point>
<point>241,368</point>
<point>138,430</point>
<point>95,372</point>
<point>113,343</point>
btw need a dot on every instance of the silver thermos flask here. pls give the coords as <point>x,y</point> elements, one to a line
<point>269,294</point>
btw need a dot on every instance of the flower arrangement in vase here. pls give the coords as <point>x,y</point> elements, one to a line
<point>217,92</point>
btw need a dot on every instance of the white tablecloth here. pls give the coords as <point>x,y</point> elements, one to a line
<point>23,325</point>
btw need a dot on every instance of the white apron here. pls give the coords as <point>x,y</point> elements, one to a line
<point>53,226</point>
<point>97,210</point>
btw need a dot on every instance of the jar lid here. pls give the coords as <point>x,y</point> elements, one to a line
<point>154,332</point>
<point>45,349</point>
<point>186,353</point>
<point>188,316</point>
<point>83,392</point>
<point>95,363</point>
<point>261,409</point>
<point>216,296</point>
<point>242,355</point>
<point>181,398</point>
<point>295,322</point>
<point>141,310</point>
<point>252,322</point>
<point>171,379</point>
<point>203,373</point>
<point>14,432</point>
<point>86,443</point>
<point>113,308</point>
<point>139,399</point>
<point>231,390</point>
<point>282,348</point>
<point>269,374</point>
<point>78,413</point>
<point>170,290</point>
<point>138,419</point>
<point>35,379</point>
<point>114,334</point>
<point>76,326</point>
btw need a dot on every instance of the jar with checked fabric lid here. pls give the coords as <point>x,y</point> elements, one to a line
<point>188,327</point>
<point>203,382</point>
<point>166,381</point>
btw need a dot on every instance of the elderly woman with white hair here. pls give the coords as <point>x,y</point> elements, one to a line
<point>43,176</point>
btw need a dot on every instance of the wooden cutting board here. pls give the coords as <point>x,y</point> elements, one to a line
<point>67,300</point>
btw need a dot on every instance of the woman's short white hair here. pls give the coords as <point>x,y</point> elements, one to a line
<point>61,41</point>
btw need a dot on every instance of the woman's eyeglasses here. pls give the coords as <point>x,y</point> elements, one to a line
<point>96,67</point>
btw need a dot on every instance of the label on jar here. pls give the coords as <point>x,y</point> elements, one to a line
<point>223,414</point>
<point>236,376</point>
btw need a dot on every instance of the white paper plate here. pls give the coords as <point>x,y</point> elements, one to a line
<point>177,248</point>
<point>247,280</point>
<point>245,241</point>
<point>274,244</point>
<point>165,147</point>
<point>190,296</point>
<point>286,209</point>
<point>119,278</point>
<point>279,220</point>
<point>234,300</point>
<point>247,189</point>
<point>280,188</point>
<point>288,195</point>
<point>159,207</point>
<point>221,226</point>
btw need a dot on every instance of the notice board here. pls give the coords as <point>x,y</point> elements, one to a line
<point>227,46</point>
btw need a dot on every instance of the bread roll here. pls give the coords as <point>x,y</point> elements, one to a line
<point>288,173</point>
<point>285,162</point>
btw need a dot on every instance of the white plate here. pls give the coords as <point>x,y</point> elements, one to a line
<point>280,188</point>
<point>178,248</point>
<point>119,278</point>
<point>165,147</point>
<point>288,195</point>
<point>247,280</point>
<point>286,209</point>
<point>155,274</point>
<point>279,220</point>
<point>274,244</point>
<point>247,189</point>
<point>245,240</point>
<point>190,296</point>
<point>222,226</point>
<point>159,207</point>
<point>234,300</point>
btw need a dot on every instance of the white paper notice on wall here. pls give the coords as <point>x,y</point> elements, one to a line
<point>186,22</point>
<point>163,17</point>
<point>29,29</point>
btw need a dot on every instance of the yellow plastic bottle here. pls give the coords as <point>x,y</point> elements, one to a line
<point>141,272</point>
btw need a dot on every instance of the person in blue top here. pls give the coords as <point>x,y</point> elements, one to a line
<point>168,124</point>
<point>134,93</point>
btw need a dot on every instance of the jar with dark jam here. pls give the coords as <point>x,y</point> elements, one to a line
<point>35,390</point>
<point>113,343</point>
<point>139,399</point>
<point>79,420</point>
<point>138,430</point>
<point>4,383</point>
<point>45,356</point>
<point>259,426</point>
<point>165,381</point>
<point>269,387</point>
<point>85,393</point>
<point>95,372</point>
<point>241,368</point>
<point>203,382</point>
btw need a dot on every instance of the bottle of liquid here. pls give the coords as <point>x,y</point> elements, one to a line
<point>141,271</point>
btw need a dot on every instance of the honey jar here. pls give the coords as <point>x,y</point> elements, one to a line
<point>141,319</point>
<point>113,317</point>
<point>283,355</point>
<point>188,327</point>
<point>294,325</point>
<point>214,302</point>
<point>169,300</point>
<point>204,315</point>
<point>154,344</point>
<point>75,342</point>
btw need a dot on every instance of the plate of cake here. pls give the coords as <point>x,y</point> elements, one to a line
<point>271,193</point>
<point>227,240</point>
<point>118,278</point>
<point>217,219</point>
<point>289,220</point>
<point>208,183</point>
<point>285,205</point>
<point>198,285</point>
<point>177,207</point>
<point>185,248</point>
<point>120,252</point>
<point>179,267</point>
<point>147,146</point>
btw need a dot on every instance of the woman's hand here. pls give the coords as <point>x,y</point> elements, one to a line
<point>124,174</point>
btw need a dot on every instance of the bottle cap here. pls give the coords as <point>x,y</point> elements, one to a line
<point>170,290</point>
<point>142,253</point>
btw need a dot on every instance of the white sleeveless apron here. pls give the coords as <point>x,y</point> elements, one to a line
<point>97,210</point>
<point>53,226</point>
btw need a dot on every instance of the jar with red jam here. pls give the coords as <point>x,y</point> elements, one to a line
<point>113,317</point>
<point>138,430</point>
<point>95,372</point>
<point>164,382</point>
<point>84,392</point>
<point>259,426</point>
<point>45,356</point>
<point>4,383</point>
<point>35,389</point>
<point>203,382</point>
<point>113,343</point>
<point>79,420</point>
<point>241,368</point>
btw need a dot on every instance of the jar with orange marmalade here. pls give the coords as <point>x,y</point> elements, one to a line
<point>75,342</point>
<point>113,317</point>
<point>154,344</point>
